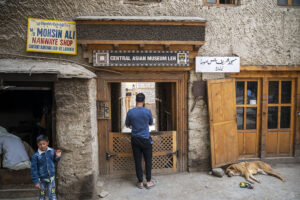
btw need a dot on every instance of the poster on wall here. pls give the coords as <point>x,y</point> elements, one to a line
<point>217,64</point>
<point>103,109</point>
<point>51,36</point>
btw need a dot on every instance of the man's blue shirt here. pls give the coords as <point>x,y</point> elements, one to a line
<point>139,119</point>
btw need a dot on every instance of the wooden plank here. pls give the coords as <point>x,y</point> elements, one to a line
<point>297,118</point>
<point>174,137</point>
<point>271,143</point>
<point>293,117</point>
<point>172,23</point>
<point>264,126</point>
<point>241,143</point>
<point>250,143</point>
<point>260,74</point>
<point>138,42</point>
<point>150,69</point>
<point>223,128</point>
<point>284,142</point>
<point>270,68</point>
<point>259,117</point>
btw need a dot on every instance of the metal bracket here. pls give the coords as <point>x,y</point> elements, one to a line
<point>172,153</point>
<point>109,155</point>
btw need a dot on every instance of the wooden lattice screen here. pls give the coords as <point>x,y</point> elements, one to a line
<point>164,153</point>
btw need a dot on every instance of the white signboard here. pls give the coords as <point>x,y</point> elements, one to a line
<point>217,64</point>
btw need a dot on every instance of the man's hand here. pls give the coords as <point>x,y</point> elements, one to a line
<point>38,186</point>
<point>58,153</point>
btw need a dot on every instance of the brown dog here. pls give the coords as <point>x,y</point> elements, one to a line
<point>248,169</point>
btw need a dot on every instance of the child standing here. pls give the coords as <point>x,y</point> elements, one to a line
<point>43,168</point>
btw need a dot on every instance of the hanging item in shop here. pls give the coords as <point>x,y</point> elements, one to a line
<point>217,64</point>
<point>51,36</point>
<point>140,58</point>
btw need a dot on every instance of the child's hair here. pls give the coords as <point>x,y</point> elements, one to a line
<point>42,138</point>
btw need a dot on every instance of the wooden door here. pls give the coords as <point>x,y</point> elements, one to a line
<point>222,116</point>
<point>280,117</point>
<point>248,98</point>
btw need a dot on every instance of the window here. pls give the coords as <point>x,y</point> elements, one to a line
<point>220,2</point>
<point>288,2</point>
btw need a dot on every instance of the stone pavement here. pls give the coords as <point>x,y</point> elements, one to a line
<point>202,186</point>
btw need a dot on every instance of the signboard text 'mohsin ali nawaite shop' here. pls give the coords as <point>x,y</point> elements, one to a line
<point>51,36</point>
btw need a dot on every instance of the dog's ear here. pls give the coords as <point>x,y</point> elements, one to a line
<point>229,168</point>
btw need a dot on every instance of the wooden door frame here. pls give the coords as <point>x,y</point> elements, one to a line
<point>104,126</point>
<point>269,72</point>
<point>258,120</point>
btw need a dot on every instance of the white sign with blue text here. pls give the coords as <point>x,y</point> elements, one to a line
<point>217,64</point>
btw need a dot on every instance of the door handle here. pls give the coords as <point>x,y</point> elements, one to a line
<point>109,155</point>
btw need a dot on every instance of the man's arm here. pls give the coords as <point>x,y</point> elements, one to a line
<point>57,155</point>
<point>34,170</point>
<point>150,118</point>
<point>127,121</point>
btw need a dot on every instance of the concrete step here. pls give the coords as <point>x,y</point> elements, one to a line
<point>18,192</point>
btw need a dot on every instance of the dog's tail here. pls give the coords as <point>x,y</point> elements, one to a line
<point>272,172</point>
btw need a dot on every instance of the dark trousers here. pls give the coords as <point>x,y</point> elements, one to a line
<point>141,146</point>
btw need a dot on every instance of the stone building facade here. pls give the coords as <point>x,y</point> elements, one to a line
<point>260,32</point>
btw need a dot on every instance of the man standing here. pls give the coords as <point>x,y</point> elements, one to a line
<point>139,119</point>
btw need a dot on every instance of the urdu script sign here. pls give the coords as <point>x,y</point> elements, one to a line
<point>217,64</point>
<point>51,36</point>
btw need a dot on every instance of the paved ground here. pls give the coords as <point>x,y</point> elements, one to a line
<point>201,186</point>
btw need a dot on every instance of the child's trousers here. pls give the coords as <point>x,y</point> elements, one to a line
<point>47,187</point>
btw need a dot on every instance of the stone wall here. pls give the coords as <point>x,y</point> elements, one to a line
<point>258,31</point>
<point>77,137</point>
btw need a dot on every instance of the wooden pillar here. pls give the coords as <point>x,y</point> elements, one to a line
<point>264,126</point>
<point>297,119</point>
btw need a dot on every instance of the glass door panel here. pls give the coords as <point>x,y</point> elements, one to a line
<point>280,119</point>
<point>248,111</point>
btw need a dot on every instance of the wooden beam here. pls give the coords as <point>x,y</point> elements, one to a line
<point>166,47</point>
<point>297,120</point>
<point>137,42</point>
<point>270,68</point>
<point>150,69</point>
<point>172,23</point>
<point>142,47</point>
<point>196,47</point>
<point>116,47</point>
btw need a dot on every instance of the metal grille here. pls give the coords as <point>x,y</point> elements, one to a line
<point>164,153</point>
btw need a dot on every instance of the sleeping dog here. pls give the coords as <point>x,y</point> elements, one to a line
<point>248,169</point>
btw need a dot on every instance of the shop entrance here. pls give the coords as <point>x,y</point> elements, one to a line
<point>26,111</point>
<point>165,99</point>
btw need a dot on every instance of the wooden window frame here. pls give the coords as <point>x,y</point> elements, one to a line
<point>218,3</point>
<point>290,4</point>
